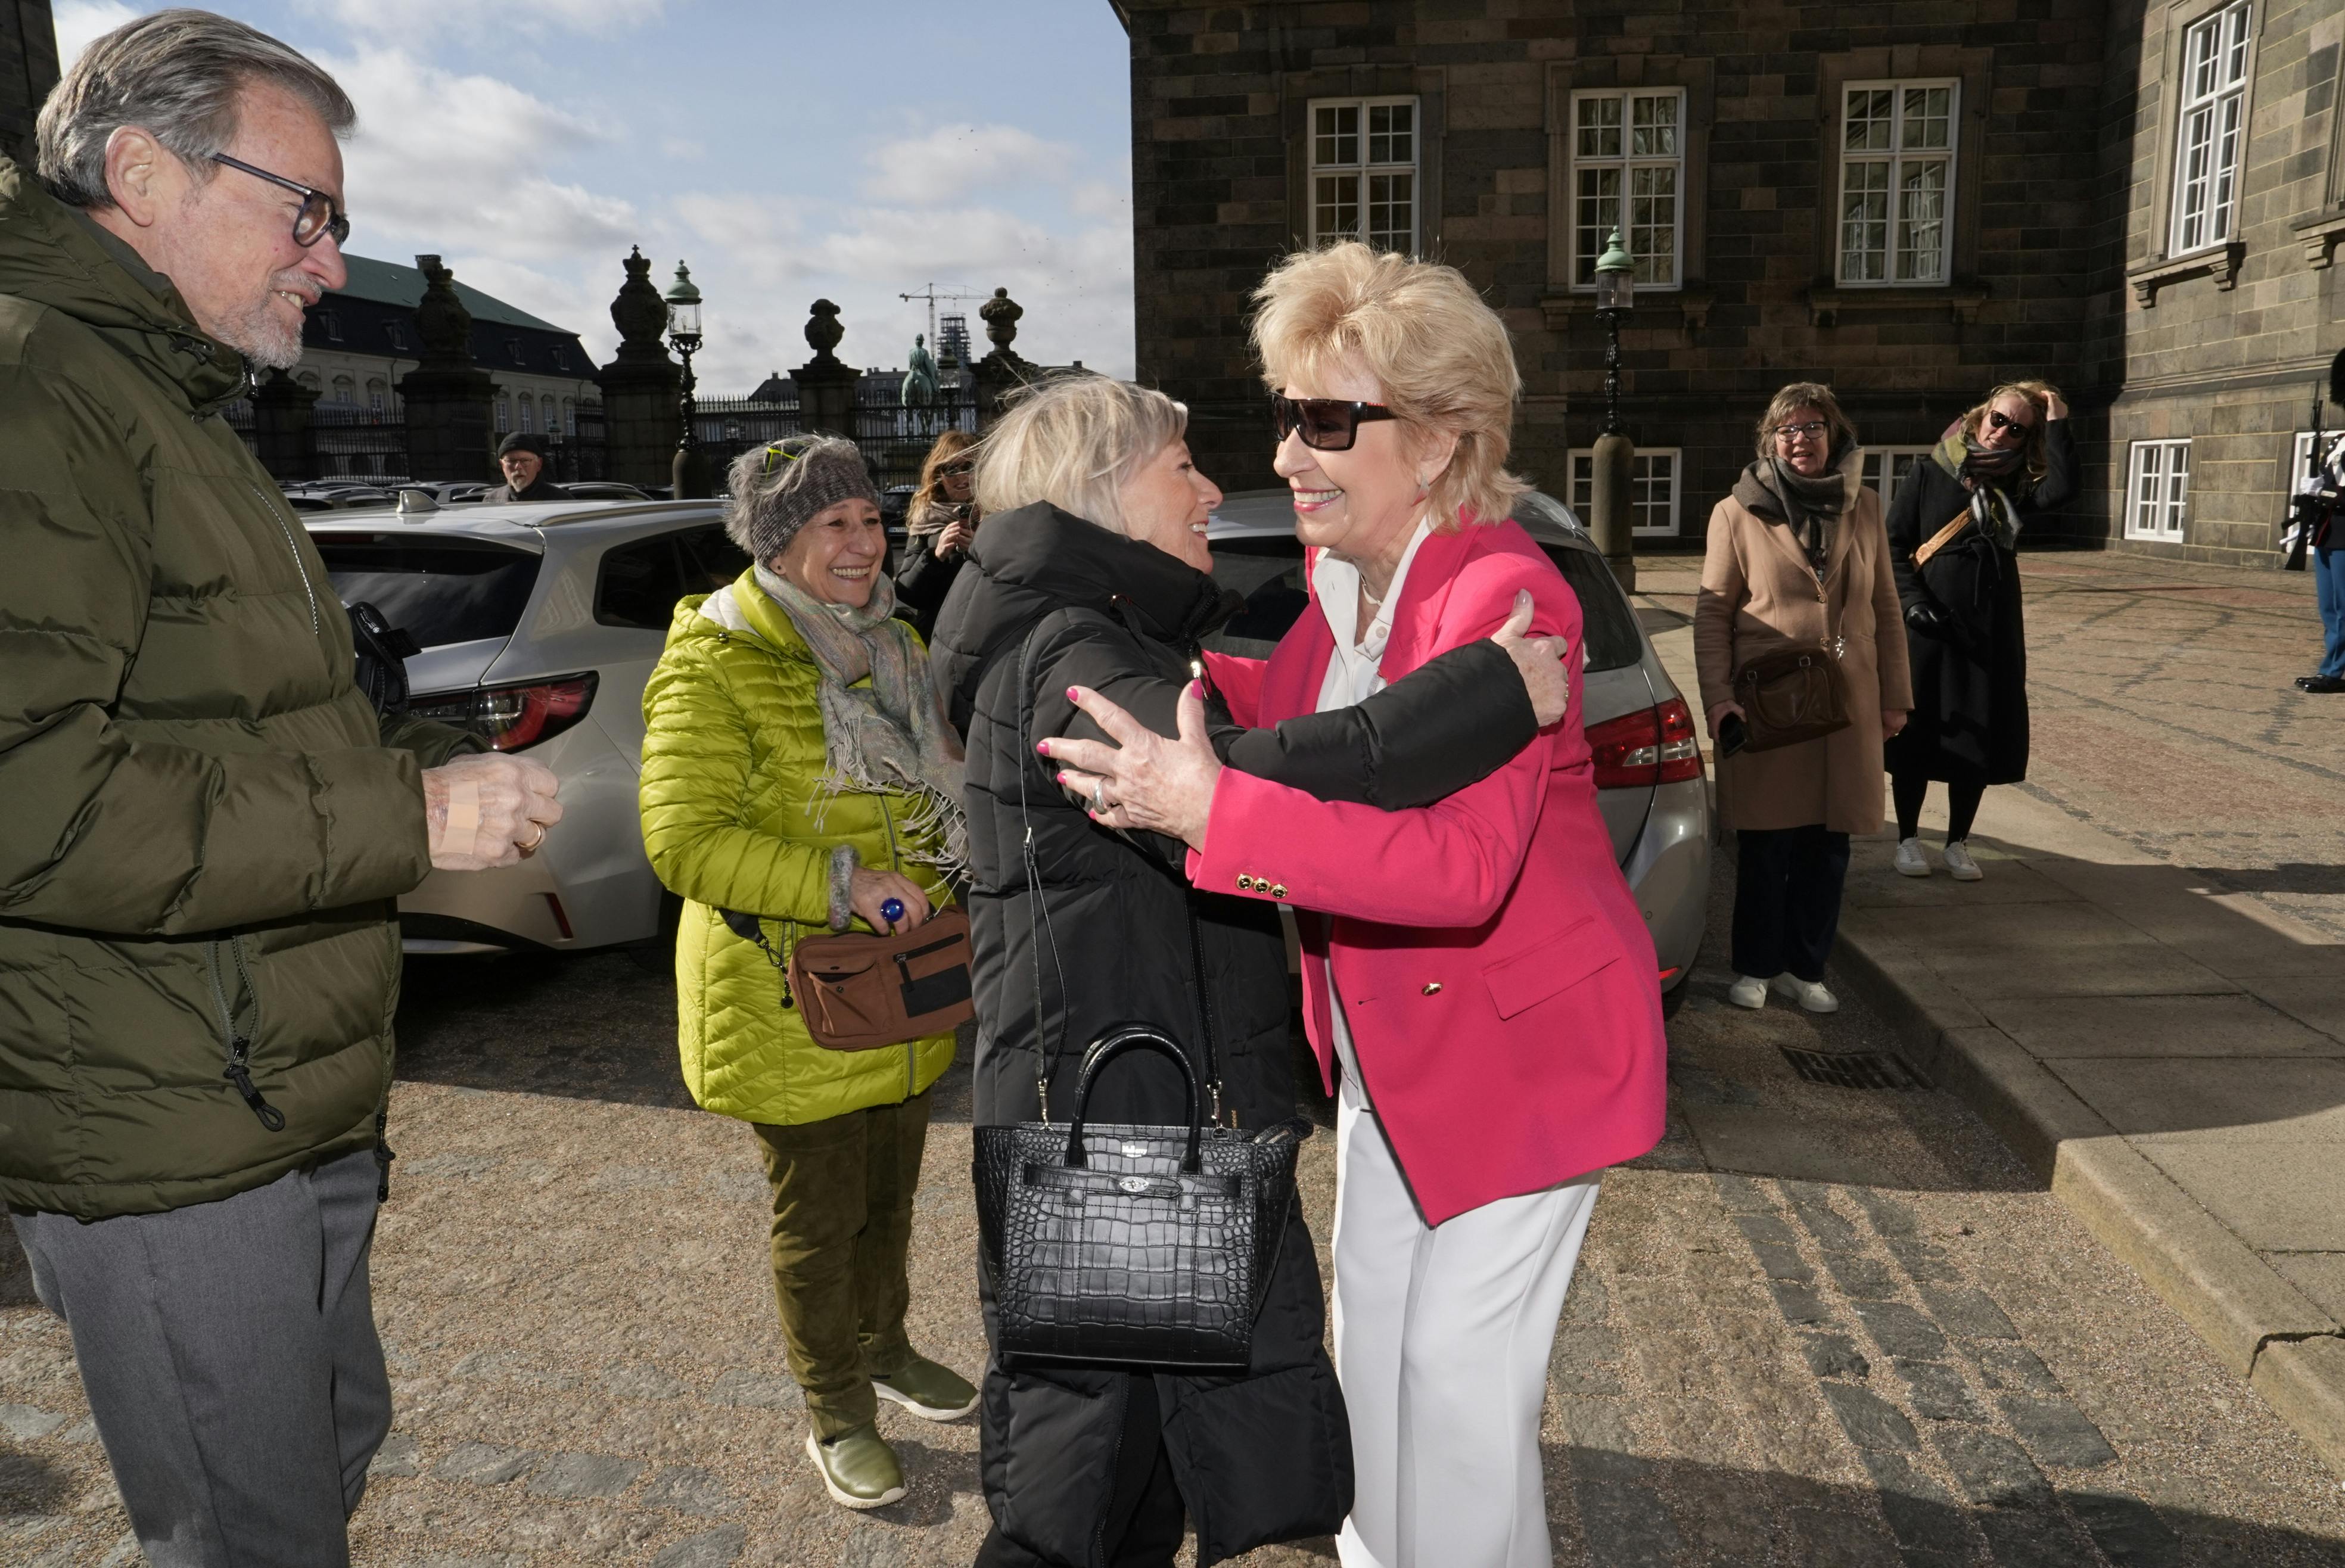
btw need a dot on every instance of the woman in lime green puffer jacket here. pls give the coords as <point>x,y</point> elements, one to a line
<point>797,767</point>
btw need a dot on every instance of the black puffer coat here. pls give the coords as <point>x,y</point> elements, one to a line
<point>1048,602</point>
<point>1969,723</point>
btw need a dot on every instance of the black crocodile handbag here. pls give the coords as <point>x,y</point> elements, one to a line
<point>1133,1246</point>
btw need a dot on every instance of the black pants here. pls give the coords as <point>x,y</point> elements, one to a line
<point>1787,883</point>
<point>1909,790</point>
<point>1145,1515</point>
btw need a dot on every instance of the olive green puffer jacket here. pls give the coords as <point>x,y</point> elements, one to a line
<point>201,827</point>
<point>735,817</point>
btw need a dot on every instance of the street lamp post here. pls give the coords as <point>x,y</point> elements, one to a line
<point>690,473</point>
<point>1616,288</point>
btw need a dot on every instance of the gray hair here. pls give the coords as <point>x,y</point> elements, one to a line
<point>1073,441</point>
<point>176,75</point>
<point>777,489</point>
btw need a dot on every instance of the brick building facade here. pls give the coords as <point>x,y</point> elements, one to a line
<point>1910,204</point>
<point>28,69</point>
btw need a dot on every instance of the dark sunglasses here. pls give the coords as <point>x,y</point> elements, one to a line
<point>318,217</point>
<point>1328,424</point>
<point>1997,420</point>
<point>953,470</point>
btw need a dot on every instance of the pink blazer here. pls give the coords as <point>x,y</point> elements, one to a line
<point>1501,987</point>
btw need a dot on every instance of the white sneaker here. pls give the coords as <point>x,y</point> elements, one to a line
<point>1910,860</point>
<point>1812,995</point>
<point>1748,991</point>
<point>1959,864</point>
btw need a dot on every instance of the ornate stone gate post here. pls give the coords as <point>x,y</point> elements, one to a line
<point>640,384</point>
<point>447,395</point>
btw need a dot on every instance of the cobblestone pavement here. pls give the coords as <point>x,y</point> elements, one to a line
<point>1819,1325</point>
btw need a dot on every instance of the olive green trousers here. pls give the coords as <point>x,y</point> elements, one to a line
<point>843,1190</point>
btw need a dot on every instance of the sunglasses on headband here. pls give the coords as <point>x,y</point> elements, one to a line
<point>1328,424</point>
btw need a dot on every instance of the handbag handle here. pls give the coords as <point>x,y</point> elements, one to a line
<point>1119,1041</point>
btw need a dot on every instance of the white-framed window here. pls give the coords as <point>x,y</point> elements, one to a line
<point>1653,489</point>
<point>346,391</point>
<point>528,413</point>
<point>2159,490</point>
<point>504,412</point>
<point>1886,468</point>
<point>1363,171</point>
<point>1897,181</point>
<point>570,417</point>
<point>378,394</point>
<point>2210,130</point>
<point>1628,148</point>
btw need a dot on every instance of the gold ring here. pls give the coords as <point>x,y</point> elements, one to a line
<point>530,846</point>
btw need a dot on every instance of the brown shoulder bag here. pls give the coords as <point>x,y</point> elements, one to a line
<point>1793,694</point>
<point>860,991</point>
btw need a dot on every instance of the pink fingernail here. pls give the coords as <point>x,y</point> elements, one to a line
<point>1071,693</point>
<point>1043,747</point>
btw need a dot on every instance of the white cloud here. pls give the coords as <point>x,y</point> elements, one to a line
<point>81,23</point>
<point>433,18</point>
<point>951,161</point>
<point>454,160</point>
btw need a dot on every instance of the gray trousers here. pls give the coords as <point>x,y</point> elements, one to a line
<point>230,1355</point>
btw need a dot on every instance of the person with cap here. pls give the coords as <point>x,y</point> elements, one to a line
<point>522,456</point>
<point>797,768</point>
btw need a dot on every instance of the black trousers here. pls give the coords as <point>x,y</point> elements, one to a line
<point>1145,1518</point>
<point>1787,887</point>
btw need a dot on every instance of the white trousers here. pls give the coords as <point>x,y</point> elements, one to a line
<point>1442,1338</point>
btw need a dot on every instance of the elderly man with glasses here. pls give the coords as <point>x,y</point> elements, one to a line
<point>207,821</point>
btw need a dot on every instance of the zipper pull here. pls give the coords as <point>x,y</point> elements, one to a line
<point>241,1075</point>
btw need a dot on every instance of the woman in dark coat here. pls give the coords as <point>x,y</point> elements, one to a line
<point>1962,510</point>
<point>1083,1467</point>
<point>937,527</point>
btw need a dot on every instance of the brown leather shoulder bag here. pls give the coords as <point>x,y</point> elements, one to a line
<point>1793,694</point>
<point>860,991</point>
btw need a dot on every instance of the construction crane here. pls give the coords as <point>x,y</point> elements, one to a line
<point>933,294</point>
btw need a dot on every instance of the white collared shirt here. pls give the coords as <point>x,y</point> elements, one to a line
<point>1354,673</point>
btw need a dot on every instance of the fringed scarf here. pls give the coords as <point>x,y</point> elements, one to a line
<point>1992,472</point>
<point>1810,508</point>
<point>891,737</point>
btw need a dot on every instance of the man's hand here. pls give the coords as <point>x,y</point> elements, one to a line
<point>868,889</point>
<point>1539,660</point>
<point>488,811</point>
<point>1143,780</point>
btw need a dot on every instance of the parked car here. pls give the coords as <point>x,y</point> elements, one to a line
<point>539,624</point>
<point>335,497</point>
<point>602,490</point>
<point>1649,781</point>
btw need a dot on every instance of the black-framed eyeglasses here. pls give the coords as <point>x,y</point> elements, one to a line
<point>1328,424</point>
<point>318,217</point>
<point>1998,421</point>
<point>1813,428</point>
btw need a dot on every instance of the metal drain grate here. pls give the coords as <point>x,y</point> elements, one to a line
<point>1855,1069</point>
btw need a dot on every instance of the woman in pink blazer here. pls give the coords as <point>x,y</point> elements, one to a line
<point>1478,984</point>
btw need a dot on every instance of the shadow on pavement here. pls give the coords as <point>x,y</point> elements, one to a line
<point>585,1026</point>
<point>1663,1512</point>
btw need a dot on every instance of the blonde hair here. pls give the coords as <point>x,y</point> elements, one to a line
<point>1441,355</point>
<point>1840,433</point>
<point>1073,441</point>
<point>950,445</point>
<point>2039,395</point>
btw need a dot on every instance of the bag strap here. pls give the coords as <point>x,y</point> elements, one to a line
<point>1943,538</point>
<point>1038,914</point>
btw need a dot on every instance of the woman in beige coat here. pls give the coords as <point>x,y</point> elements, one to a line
<point>1798,556</point>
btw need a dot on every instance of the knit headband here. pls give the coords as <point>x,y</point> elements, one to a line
<point>832,471</point>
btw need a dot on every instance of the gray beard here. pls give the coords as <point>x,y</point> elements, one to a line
<point>261,339</point>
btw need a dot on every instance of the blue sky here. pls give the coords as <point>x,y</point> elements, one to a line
<point>788,150</point>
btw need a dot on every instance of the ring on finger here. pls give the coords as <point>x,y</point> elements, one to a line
<point>535,839</point>
<point>1098,796</point>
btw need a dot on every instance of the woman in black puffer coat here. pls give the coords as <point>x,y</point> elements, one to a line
<point>1082,1467</point>
<point>2000,466</point>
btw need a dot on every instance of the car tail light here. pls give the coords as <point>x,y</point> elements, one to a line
<point>513,717</point>
<point>1647,747</point>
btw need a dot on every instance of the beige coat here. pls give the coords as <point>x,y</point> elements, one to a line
<point>1759,594</point>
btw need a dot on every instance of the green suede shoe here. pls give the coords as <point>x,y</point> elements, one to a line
<point>857,1470</point>
<point>928,1391</point>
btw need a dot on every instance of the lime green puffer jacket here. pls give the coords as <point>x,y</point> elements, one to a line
<point>734,817</point>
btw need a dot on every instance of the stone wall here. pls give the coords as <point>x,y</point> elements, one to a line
<point>2048,210</point>
<point>28,69</point>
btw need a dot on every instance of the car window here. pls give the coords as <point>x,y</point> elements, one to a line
<point>640,582</point>
<point>1268,575</point>
<point>1607,624</point>
<point>438,589</point>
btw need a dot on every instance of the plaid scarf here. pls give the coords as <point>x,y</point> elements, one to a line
<point>1987,470</point>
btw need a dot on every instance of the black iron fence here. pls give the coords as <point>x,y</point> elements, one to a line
<point>358,445</point>
<point>895,440</point>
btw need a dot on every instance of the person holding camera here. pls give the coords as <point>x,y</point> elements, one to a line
<point>1953,536</point>
<point>1797,565</point>
<point>939,526</point>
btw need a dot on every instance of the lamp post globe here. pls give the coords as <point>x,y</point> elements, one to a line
<point>690,473</point>
<point>1613,459</point>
